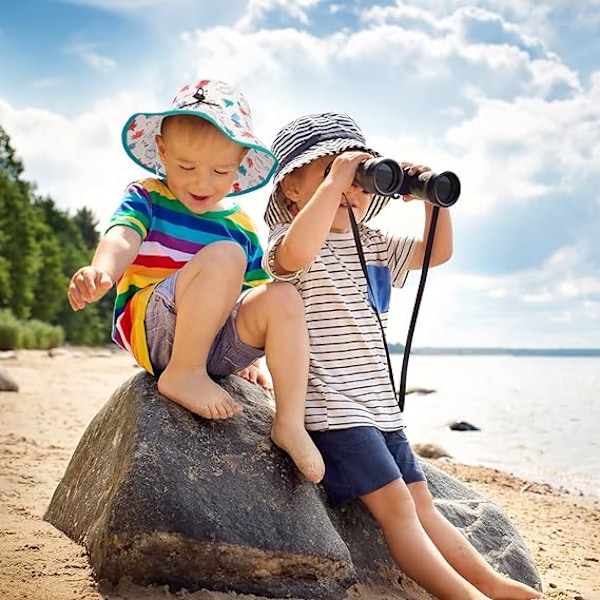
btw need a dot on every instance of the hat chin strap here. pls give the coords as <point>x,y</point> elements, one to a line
<point>401,394</point>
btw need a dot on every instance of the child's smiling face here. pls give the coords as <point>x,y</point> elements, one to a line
<point>200,162</point>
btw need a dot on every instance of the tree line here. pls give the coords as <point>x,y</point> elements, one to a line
<point>41,246</point>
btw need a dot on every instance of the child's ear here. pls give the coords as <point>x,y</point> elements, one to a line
<point>160,146</point>
<point>290,186</point>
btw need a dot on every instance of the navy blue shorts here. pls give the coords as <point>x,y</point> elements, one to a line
<point>360,460</point>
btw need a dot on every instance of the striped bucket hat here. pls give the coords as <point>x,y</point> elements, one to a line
<point>222,105</point>
<point>305,139</point>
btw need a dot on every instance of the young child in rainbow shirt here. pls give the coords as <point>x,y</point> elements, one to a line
<point>352,412</point>
<point>193,302</point>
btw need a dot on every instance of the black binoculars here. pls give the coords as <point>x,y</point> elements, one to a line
<point>386,177</point>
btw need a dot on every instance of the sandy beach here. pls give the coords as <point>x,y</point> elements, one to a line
<point>59,395</point>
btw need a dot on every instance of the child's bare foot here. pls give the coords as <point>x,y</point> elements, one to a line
<point>302,450</point>
<point>509,589</point>
<point>196,391</point>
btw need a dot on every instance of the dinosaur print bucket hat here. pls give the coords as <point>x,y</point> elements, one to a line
<point>227,109</point>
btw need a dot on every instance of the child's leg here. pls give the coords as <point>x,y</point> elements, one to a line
<point>461,554</point>
<point>207,289</point>
<point>272,317</point>
<point>411,548</point>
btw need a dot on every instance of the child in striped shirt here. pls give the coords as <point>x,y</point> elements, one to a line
<point>352,412</point>
<point>191,304</point>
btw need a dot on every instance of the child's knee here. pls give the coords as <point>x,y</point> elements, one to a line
<point>284,298</point>
<point>223,258</point>
<point>423,499</point>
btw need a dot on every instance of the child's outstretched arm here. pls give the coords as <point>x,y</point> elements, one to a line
<point>114,254</point>
<point>442,248</point>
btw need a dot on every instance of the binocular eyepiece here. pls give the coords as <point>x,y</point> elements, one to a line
<point>386,177</point>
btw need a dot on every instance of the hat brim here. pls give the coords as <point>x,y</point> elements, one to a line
<point>139,141</point>
<point>277,211</point>
<point>325,148</point>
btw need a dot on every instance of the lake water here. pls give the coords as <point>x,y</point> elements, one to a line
<point>539,417</point>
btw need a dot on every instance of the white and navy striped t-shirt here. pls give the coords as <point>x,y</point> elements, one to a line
<point>349,382</point>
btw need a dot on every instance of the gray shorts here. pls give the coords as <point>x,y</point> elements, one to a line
<point>227,355</point>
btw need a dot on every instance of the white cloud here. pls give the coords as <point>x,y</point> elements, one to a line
<point>517,309</point>
<point>47,83</point>
<point>536,15</point>
<point>77,161</point>
<point>462,310</point>
<point>88,54</point>
<point>257,9</point>
<point>99,63</point>
<point>527,148</point>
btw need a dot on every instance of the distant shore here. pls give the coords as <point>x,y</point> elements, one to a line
<point>58,397</point>
<point>559,352</point>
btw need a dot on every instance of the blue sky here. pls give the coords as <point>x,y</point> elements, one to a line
<point>504,93</point>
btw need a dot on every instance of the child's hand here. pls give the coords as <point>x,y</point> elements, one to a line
<point>253,374</point>
<point>412,169</point>
<point>343,168</point>
<point>88,285</point>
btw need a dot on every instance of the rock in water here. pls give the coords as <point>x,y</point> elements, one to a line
<point>462,426</point>
<point>160,496</point>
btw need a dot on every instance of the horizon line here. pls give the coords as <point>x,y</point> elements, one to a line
<point>497,350</point>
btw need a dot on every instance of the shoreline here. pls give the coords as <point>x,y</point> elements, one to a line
<point>58,397</point>
<point>537,478</point>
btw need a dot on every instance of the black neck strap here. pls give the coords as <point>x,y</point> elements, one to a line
<point>363,264</point>
<point>419,296</point>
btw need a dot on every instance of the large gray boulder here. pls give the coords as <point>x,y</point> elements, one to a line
<point>160,496</point>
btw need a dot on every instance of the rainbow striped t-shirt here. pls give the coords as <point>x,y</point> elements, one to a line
<point>171,235</point>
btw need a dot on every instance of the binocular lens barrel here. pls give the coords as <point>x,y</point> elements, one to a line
<point>386,177</point>
<point>441,190</point>
<point>379,176</point>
